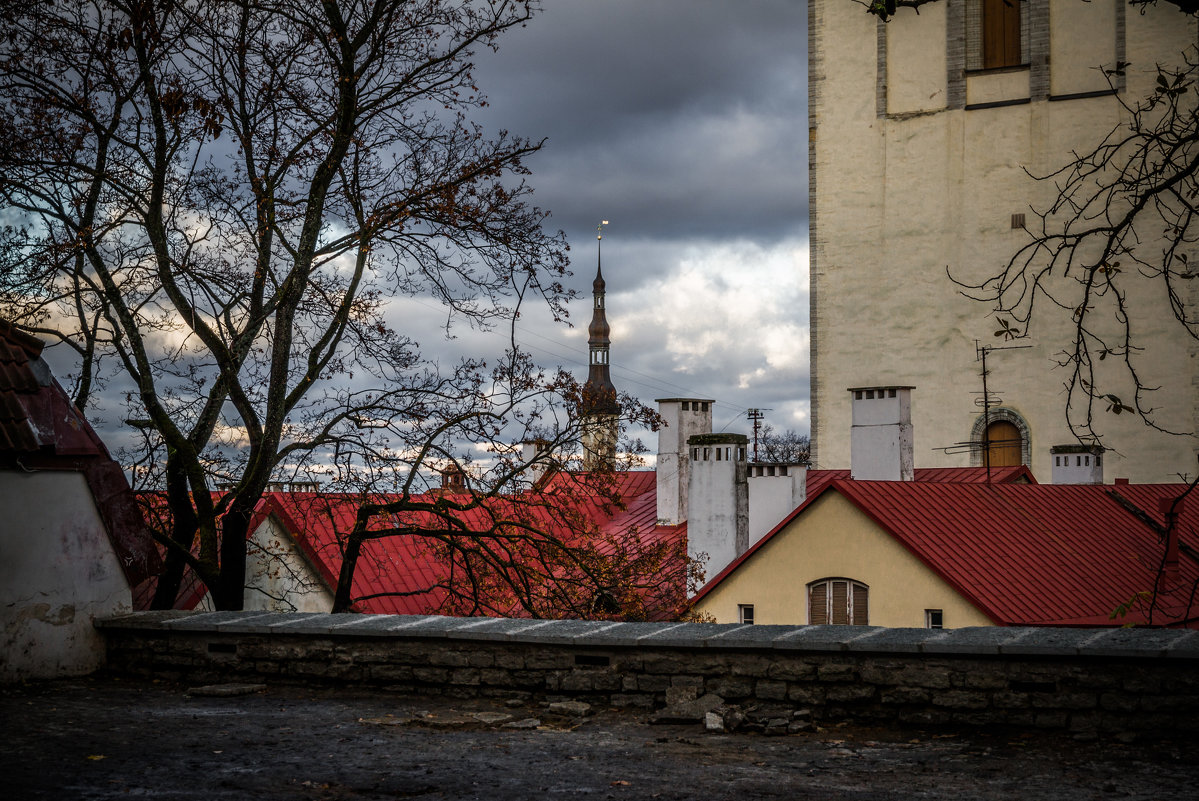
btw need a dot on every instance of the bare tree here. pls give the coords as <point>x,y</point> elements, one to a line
<point>222,204</point>
<point>784,446</point>
<point>1123,219</point>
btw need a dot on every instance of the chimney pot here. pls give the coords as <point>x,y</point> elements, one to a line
<point>682,419</point>
<point>881,441</point>
<point>718,500</point>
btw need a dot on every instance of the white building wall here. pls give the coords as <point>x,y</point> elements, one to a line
<point>58,572</point>
<point>278,576</point>
<point>907,181</point>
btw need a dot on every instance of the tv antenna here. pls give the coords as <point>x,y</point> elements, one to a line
<point>987,401</point>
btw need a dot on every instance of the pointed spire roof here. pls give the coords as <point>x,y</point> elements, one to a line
<point>599,394</point>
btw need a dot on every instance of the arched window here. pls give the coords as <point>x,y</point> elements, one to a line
<point>838,601</point>
<point>1008,438</point>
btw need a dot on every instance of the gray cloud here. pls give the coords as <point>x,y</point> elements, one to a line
<point>684,123</point>
<point>684,118</point>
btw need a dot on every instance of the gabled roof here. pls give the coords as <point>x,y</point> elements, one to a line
<point>401,574</point>
<point>1027,554</point>
<point>40,429</point>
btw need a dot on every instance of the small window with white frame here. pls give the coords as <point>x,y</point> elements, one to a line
<point>745,613</point>
<point>934,619</point>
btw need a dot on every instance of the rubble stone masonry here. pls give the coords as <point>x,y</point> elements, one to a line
<point>1119,683</point>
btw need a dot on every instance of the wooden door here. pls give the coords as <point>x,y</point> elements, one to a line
<point>1005,445</point>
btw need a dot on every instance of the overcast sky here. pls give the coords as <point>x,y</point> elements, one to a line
<point>682,123</point>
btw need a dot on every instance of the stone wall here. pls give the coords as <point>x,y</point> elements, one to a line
<point>1123,683</point>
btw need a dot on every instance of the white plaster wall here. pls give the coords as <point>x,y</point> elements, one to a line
<point>899,199</point>
<point>922,84</point>
<point>672,468</point>
<point>717,513</point>
<point>57,573</point>
<point>1082,37</point>
<point>279,578</point>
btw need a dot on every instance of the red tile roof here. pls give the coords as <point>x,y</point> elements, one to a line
<point>1029,554</point>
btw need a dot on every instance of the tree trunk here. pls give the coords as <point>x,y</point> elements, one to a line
<point>345,581</point>
<point>230,591</point>
<point>169,581</point>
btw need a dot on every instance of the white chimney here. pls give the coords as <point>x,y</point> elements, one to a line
<point>683,418</point>
<point>718,500</point>
<point>880,441</point>
<point>1077,464</point>
<point>535,452</point>
<point>775,490</point>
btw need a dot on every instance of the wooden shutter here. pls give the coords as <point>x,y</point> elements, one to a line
<point>840,604</point>
<point>818,603</point>
<point>1001,33</point>
<point>861,605</point>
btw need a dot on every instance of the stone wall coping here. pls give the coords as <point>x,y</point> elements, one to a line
<point>1133,643</point>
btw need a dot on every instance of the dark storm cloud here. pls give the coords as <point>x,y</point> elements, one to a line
<point>683,122</point>
<point>680,118</point>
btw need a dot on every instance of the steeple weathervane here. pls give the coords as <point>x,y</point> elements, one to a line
<point>599,404</point>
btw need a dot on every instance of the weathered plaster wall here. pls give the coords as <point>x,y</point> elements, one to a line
<point>906,184</point>
<point>279,578</point>
<point>717,500</point>
<point>58,571</point>
<point>833,539</point>
<point>773,497</point>
<point>1121,683</point>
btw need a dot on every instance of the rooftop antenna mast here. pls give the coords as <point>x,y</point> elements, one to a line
<point>980,353</point>
<point>756,415</point>
<point>986,401</point>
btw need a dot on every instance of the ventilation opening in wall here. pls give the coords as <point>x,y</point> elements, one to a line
<point>222,647</point>
<point>592,660</point>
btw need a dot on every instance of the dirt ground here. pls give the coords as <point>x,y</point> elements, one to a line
<point>106,738</point>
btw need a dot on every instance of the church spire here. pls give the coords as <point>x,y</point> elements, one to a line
<point>599,405</point>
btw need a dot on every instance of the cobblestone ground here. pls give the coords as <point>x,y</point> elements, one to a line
<point>103,738</point>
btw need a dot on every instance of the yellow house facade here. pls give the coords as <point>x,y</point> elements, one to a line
<point>929,554</point>
<point>833,539</point>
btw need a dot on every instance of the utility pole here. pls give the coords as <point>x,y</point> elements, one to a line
<point>757,416</point>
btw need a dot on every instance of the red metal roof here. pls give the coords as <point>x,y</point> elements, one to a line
<point>819,479</point>
<point>1029,554</point>
<point>17,383</point>
<point>402,574</point>
<point>40,429</point>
